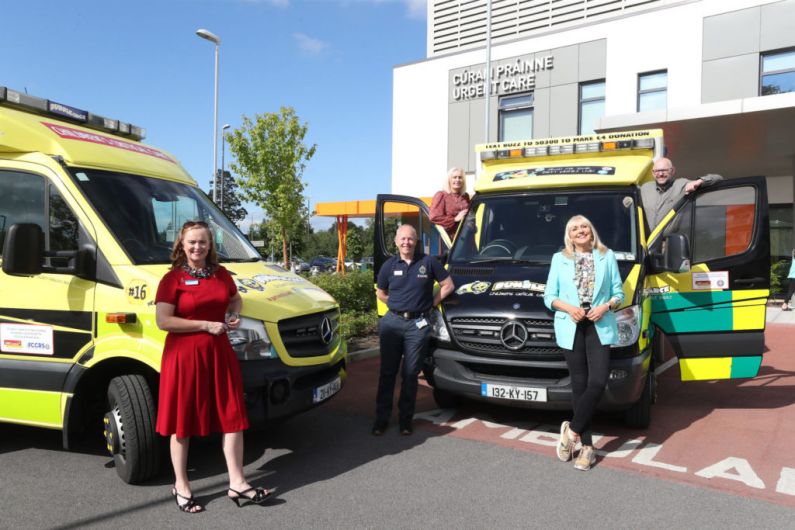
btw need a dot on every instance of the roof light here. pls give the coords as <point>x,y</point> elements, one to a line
<point>52,108</point>
<point>588,147</point>
<point>540,150</point>
<point>567,148</point>
<point>564,149</point>
<point>24,100</point>
<point>103,122</point>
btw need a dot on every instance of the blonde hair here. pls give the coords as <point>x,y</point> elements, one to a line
<point>568,244</point>
<point>447,187</point>
<point>178,257</point>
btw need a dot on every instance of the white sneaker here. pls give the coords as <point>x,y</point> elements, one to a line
<point>565,446</point>
<point>585,459</point>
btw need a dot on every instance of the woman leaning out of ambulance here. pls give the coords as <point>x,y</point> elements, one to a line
<point>583,288</point>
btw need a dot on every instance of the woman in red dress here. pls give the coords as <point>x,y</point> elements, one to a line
<point>201,388</point>
<point>451,205</point>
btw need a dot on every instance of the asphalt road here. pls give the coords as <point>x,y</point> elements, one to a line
<point>329,472</point>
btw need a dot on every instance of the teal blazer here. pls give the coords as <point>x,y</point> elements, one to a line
<point>560,285</point>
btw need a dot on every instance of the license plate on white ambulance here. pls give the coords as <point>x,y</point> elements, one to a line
<point>517,393</point>
<point>324,392</point>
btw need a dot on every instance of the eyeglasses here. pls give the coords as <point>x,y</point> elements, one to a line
<point>658,171</point>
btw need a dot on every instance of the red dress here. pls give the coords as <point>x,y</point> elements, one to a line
<point>201,388</point>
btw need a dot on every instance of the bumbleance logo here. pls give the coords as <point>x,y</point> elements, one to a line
<point>473,288</point>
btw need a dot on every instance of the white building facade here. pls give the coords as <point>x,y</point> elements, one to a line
<point>717,75</point>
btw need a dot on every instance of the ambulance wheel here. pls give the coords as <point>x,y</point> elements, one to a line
<point>639,414</point>
<point>130,429</point>
<point>445,399</point>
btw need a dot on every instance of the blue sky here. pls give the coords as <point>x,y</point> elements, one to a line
<point>142,62</point>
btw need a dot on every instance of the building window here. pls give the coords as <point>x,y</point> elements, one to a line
<point>516,118</point>
<point>592,105</point>
<point>653,91</point>
<point>778,73</point>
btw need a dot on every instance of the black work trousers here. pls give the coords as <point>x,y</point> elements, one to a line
<point>400,339</point>
<point>589,365</point>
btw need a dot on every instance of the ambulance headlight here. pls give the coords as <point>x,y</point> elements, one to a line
<point>250,341</point>
<point>438,327</point>
<point>628,320</point>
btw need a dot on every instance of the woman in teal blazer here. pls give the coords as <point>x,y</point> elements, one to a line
<point>583,289</point>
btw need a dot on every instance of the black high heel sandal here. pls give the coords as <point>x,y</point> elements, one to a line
<point>260,495</point>
<point>189,504</point>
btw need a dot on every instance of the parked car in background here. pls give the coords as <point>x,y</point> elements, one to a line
<point>298,265</point>
<point>322,264</point>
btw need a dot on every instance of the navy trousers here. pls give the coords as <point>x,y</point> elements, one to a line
<point>400,339</point>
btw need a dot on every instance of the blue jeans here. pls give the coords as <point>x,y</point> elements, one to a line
<point>399,338</point>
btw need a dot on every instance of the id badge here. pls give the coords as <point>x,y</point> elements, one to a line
<point>191,282</point>
<point>421,323</point>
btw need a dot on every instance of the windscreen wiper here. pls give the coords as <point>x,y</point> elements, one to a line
<point>507,259</point>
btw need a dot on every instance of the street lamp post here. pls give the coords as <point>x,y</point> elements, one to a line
<point>207,35</point>
<point>223,175</point>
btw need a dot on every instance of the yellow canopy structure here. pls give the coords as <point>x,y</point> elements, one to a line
<point>342,211</point>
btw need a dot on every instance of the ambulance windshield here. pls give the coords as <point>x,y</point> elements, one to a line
<point>146,214</point>
<point>529,227</point>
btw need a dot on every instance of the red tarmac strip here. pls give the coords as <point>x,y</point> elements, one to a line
<point>734,436</point>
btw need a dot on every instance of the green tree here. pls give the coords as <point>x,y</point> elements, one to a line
<point>355,243</point>
<point>232,206</point>
<point>270,157</point>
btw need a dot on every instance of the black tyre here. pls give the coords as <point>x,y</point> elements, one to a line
<point>130,429</point>
<point>445,399</point>
<point>639,414</point>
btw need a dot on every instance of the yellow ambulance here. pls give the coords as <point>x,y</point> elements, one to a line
<point>700,279</point>
<point>88,217</point>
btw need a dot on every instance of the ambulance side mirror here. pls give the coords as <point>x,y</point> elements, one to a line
<point>674,255</point>
<point>23,250</point>
<point>24,254</point>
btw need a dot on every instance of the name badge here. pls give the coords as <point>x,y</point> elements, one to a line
<point>398,273</point>
<point>191,282</point>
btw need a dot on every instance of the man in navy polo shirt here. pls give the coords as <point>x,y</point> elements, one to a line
<point>405,285</point>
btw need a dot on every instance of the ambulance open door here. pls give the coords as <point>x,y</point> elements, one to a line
<point>709,279</point>
<point>391,211</point>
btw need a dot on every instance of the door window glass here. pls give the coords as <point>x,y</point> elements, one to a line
<point>400,213</point>
<point>22,201</point>
<point>64,229</point>
<point>28,198</point>
<point>722,224</point>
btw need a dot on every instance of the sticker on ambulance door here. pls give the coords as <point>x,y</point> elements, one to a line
<point>25,338</point>
<point>711,280</point>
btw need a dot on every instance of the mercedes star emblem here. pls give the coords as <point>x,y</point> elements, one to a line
<point>513,335</point>
<point>326,333</point>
